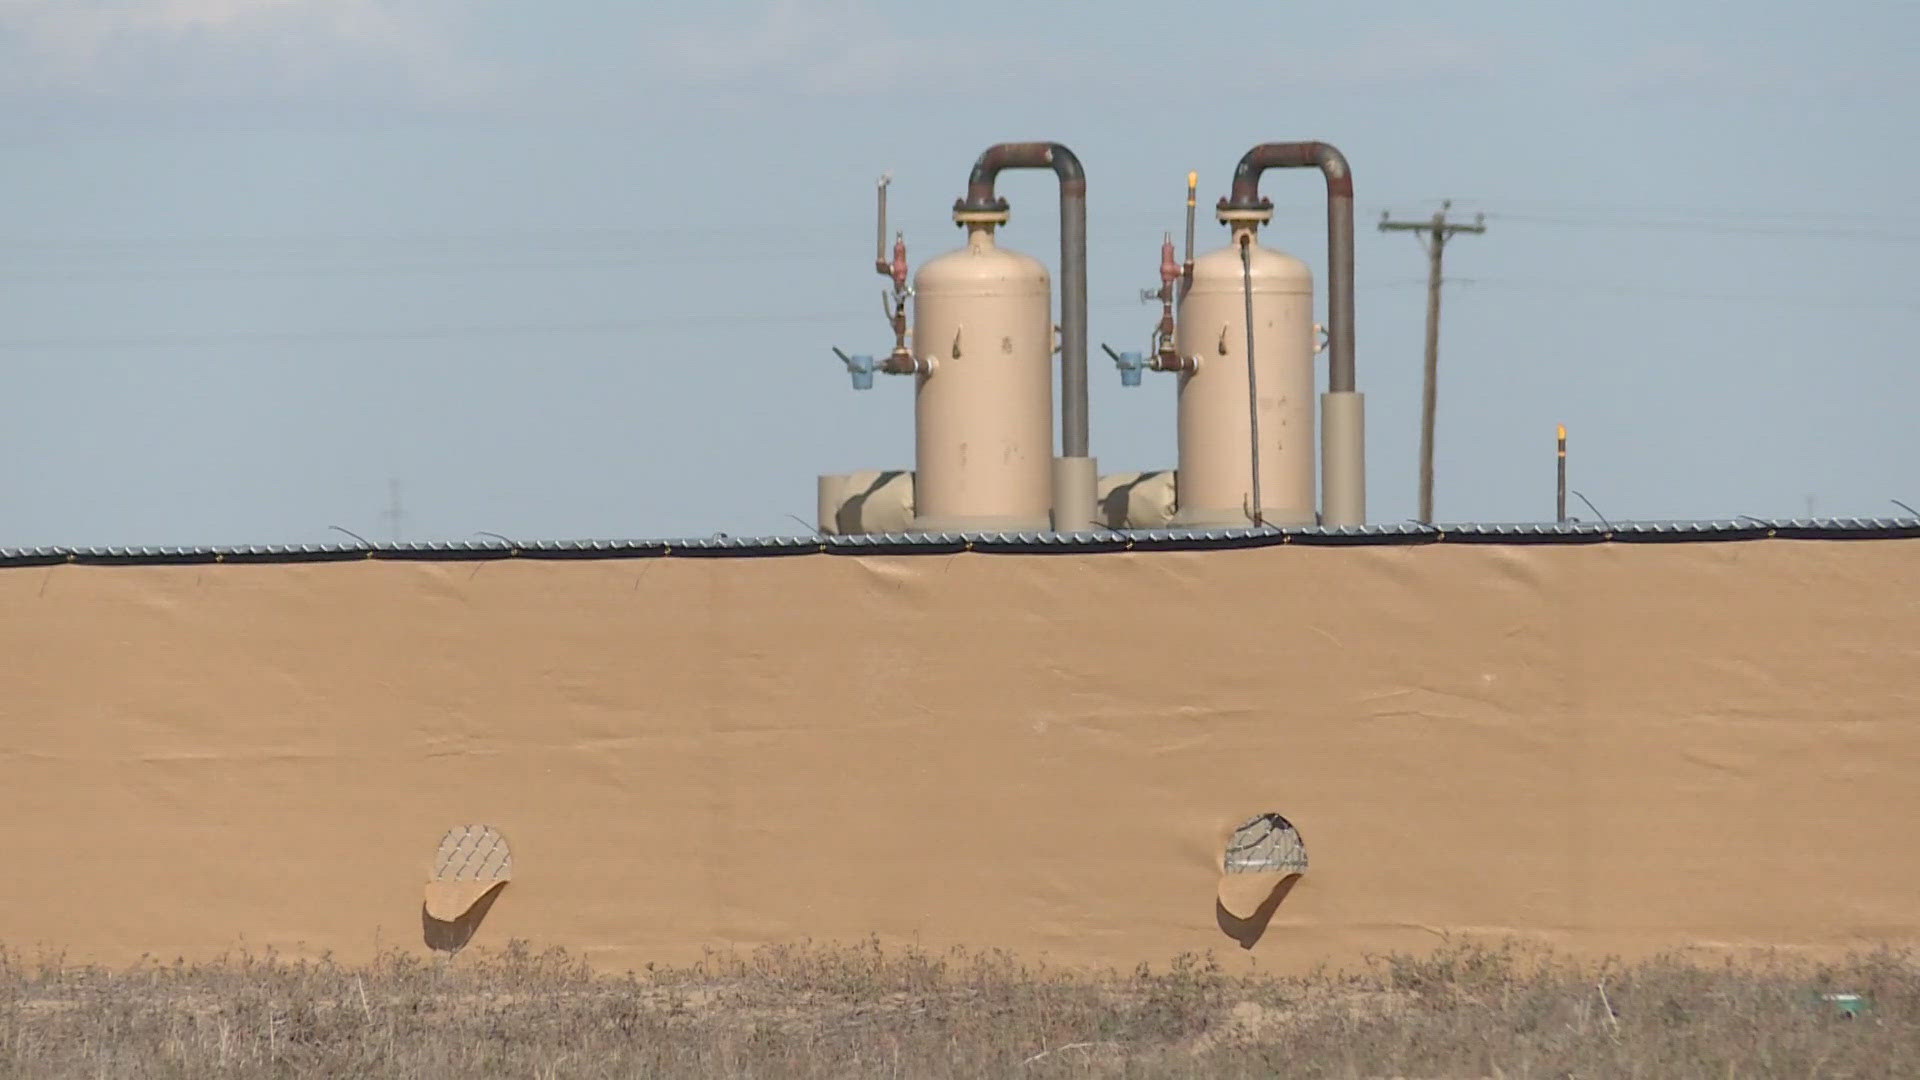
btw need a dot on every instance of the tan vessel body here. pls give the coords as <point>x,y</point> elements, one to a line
<point>1215,483</point>
<point>983,323</point>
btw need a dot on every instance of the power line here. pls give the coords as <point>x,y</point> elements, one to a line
<point>1713,213</point>
<point>116,270</point>
<point>1433,235</point>
<point>431,333</point>
<point>1715,228</point>
<point>57,275</point>
<point>83,267</point>
<point>1603,288</point>
<point>289,337</point>
<point>932,226</point>
<point>1813,222</point>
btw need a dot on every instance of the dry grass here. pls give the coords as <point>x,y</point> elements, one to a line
<point>817,1011</point>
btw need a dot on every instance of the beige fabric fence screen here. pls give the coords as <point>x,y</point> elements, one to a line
<point>1609,749</point>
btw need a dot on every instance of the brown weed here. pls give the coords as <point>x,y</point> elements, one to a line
<point>814,1010</point>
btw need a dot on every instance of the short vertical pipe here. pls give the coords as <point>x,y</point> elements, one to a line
<point>1560,490</point>
<point>1075,483</point>
<point>1344,481</point>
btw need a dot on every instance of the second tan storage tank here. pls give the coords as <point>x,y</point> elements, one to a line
<point>983,409</point>
<point>1215,480</point>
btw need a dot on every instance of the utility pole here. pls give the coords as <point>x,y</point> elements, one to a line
<point>1434,235</point>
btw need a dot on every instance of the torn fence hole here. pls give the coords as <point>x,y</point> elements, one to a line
<point>1264,844</point>
<point>473,853</point>
<point>471,861</point>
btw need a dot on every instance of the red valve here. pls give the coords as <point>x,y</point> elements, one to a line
<point>1169,273</point>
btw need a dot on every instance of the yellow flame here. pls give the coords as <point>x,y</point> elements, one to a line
<point>1563,431</point>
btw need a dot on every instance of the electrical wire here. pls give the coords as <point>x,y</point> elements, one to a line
<point>424,333</point>
<point>1715,228</point>
<point>84,266</point>
<point>493,239</point>
<point>1600,288</point>
<point>1737,215</point>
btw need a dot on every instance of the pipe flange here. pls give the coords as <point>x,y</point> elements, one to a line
<point>979,211</point>
<point>1229,213</point>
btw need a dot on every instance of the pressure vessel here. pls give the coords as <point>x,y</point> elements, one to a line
<point>983,401</point>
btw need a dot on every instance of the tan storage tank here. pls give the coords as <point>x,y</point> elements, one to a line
<point>983,404</point>
<point>1215,481</point>
<point>1135,500</point>
<point>866,502</point>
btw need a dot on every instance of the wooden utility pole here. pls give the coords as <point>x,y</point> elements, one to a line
<point>1434,235</point>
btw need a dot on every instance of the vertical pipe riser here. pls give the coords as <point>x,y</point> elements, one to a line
<point>1340,373</point>
<point>1074,436</point>
<point>1343,477</point>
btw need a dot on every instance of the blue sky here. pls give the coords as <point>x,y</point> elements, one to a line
<point>573,269</point>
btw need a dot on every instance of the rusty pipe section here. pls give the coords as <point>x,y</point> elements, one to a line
<point>980,197</point>
<point>1331,162</point>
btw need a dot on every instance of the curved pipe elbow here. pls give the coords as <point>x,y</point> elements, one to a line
<point>1022,155</point>
<point>1289,155</point>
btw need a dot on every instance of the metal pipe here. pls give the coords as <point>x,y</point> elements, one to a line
<point>1560,491</point>
<point>1343,467</point>
<point>1073,265</point>
<point>1186,268</point>
<point>1253,380</point>
<point>880,233</point>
